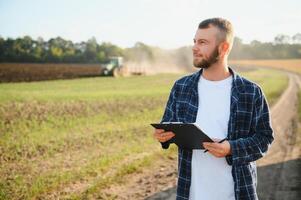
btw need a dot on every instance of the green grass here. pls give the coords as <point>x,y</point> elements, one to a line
<point>89,89</point>
<point>86,132</point>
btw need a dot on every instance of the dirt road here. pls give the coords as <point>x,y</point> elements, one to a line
<point>279,172</point>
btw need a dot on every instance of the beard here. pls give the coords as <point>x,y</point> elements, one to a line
<point>206,63</point>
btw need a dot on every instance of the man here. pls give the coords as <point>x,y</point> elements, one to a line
<point>225,105</point>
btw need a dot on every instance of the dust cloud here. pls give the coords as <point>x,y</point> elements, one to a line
<point>155,60</point>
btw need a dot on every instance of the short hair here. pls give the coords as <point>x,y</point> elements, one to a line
<point>225,27</point>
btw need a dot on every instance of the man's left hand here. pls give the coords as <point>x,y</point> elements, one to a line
<point>218,149</point>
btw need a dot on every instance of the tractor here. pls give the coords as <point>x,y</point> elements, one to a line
<point>114,67</point>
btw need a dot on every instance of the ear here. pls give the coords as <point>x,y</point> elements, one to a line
<point>224,48</point>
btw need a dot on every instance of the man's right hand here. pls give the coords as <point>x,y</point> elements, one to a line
<point>163,136</point>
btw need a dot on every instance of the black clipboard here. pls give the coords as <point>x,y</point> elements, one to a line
<point>187,135</point>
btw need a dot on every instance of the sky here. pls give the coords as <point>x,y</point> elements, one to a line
<point>163,23</point>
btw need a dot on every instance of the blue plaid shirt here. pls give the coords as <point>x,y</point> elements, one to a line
<point>249,131</point>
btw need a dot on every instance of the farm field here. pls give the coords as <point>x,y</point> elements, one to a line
<point>73,139</point>
<point>293,65</point>
<point>20,72</point>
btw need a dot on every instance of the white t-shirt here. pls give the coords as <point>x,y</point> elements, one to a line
<point>211,177</point>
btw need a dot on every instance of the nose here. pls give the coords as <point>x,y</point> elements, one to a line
<point>194,47</point>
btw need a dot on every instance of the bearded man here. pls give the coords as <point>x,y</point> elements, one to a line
<point>225,105</point>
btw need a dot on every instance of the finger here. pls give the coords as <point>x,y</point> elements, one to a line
<point>159,138</point>
<point>213,147</point>
<point>159,130</point>
<point>167,134</point>
<point>214,152</point>
<point>166,138</point>
<point>160,134</point>
<point>208,143</point>
<point>171,134</point>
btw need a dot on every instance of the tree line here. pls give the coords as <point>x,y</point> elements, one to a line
<point>55,50</point>
<point>59,50</point>
<point>283,47</point>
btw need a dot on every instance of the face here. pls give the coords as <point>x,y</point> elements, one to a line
<point>205,48</point>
